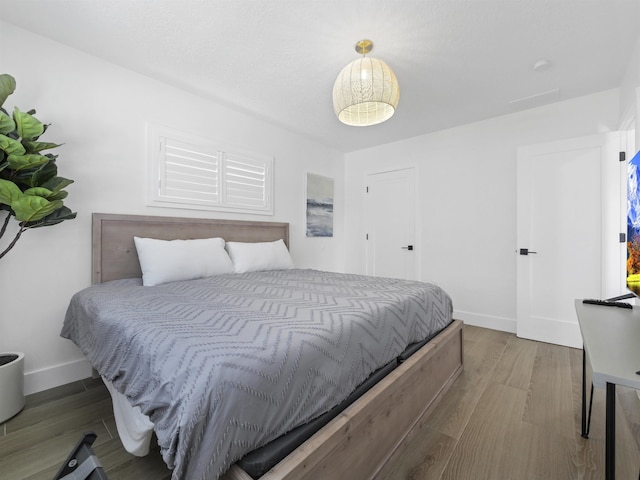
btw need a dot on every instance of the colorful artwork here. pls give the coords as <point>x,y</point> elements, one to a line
<point>633,225</point>
<point>319,206</point>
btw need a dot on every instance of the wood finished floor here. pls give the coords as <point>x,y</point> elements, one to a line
<point>513,414</point>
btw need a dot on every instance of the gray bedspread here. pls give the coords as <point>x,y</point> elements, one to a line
<point>224,364</point>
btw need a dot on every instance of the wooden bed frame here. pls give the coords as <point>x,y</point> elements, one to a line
<point>364,437</point>
<point>114,252</point>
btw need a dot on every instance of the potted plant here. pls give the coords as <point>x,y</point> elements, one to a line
<point>11,384</point>
<point>31,192</point>
<point>30,188</point>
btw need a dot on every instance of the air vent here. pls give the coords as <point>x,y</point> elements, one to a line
<point>536,100</point>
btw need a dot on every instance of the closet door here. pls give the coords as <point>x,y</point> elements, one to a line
<point>390,207</point>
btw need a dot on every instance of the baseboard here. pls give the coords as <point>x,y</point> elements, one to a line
<point>51,377</point>
<point>566,333</point>
<point>486,321</point>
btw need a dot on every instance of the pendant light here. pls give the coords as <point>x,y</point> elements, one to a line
<point>366,91</point>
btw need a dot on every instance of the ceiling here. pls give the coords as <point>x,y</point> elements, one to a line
<point>457,61</point>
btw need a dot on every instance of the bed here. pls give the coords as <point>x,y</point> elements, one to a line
<point>194,441</point>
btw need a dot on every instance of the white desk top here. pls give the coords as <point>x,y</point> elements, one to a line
<point>611,338</point>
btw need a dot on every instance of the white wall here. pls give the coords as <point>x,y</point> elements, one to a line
<point>99,112</point>
<point>630,96</point>
<point>467,199</point>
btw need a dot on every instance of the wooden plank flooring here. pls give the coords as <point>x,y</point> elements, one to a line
<point>513,414</point>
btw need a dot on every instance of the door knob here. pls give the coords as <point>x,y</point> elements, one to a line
<point>526,251</point>
<point>408,247</point>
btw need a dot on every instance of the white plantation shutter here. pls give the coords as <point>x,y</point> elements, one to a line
<point>188,175</point>
<point>245,181</point>
<point>188,172</point>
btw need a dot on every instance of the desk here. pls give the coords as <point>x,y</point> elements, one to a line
<point>611,338</point>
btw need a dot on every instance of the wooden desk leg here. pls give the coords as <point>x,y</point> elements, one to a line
<point>610,447</point>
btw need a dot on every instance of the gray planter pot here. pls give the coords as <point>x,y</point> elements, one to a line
<point>11,384</point>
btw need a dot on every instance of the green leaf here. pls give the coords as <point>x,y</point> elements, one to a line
<point>28,126</point>
<point>11,146</point>
<point>61,195</point>
<point>35,147</point>
<point>9,192</point>
<point>7,87</point>
<point>42,175</point>
<point>6,123</point>
<point>30,208</point>
<point>54,218</point>
<point>56,184</point>
<point>39,191</point>
<point>23,162</point>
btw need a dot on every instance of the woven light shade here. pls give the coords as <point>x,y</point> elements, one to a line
<point>366,91</point>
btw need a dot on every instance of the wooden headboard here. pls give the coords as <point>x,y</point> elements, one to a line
<point>114,253</point>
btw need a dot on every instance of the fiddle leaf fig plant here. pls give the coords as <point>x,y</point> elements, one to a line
<point>30,189</point>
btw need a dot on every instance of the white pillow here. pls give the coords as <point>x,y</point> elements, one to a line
<point>252,257</point>
<point>164,261</point>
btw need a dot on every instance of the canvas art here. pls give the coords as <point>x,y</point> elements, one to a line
<point>633,225</point>
<point>319,206</point>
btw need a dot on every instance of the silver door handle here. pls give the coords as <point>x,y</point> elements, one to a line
<point>526,251</point>
<point>408,247</point>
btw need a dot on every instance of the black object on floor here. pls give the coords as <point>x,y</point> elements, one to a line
<point>82,463</point>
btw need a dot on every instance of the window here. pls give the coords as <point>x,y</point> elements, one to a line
<point>190,172</point>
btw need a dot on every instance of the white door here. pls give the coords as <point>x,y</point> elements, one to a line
<point>390,206</point>
<point>568,233</point>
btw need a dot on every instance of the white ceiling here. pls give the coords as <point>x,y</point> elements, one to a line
<point>457,61</point>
